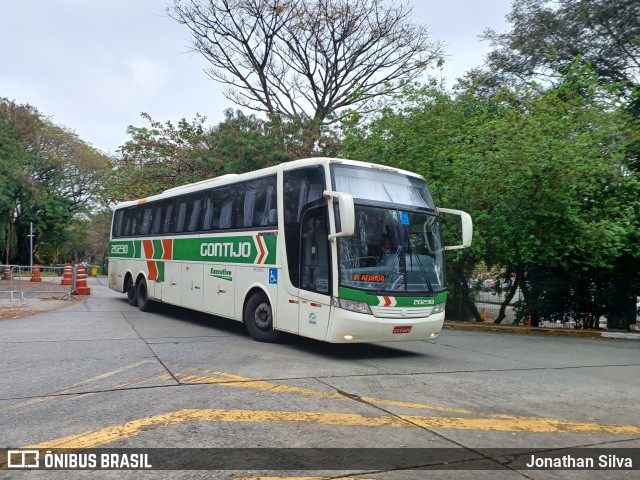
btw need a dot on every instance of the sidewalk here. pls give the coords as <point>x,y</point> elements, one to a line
<point>521,329</point>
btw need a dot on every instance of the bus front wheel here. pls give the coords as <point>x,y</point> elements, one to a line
<point>258,318</point>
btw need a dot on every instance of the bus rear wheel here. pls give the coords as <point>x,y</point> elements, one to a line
<point>130,289</point>
<point>142,295</point>
<point>258,318</point>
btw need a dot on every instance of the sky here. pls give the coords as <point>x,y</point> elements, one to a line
<point>93,67</point>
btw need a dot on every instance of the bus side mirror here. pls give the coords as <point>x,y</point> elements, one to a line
<point>467,228</point>
<point>347,211</point>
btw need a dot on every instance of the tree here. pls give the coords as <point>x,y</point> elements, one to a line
<point>49,176</point>
<point>307,59</point>
<point>544,175</point>
<point>168,155</point>
<point>547,36</point>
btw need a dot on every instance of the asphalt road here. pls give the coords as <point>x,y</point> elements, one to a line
<point>101,374</point>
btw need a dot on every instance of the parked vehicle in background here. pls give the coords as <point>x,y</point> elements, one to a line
<point>488,285</point>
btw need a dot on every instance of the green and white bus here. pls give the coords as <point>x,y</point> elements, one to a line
<point>331,249</point>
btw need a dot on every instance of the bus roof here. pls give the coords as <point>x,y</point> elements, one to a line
<point>231,178</point>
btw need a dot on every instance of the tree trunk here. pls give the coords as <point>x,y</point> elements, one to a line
<point>512,292</point>
<point>503,308</point>
<point>530,304</point>
<point>466,303</point>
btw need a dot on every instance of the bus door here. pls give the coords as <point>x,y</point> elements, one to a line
<point>315,274</point>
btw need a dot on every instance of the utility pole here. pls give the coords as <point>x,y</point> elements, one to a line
<point>31,245</point>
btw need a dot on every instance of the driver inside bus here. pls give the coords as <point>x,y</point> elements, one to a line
<point>387,247</point>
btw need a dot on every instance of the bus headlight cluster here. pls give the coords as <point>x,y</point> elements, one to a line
<point>439,308</point>
<point>352,305</point>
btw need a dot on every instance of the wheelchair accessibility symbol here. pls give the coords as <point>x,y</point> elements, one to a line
<point>273,276</point>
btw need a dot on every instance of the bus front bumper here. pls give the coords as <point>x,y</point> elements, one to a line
<point>352,327</point>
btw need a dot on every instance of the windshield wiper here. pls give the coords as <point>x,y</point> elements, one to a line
<point>422,269</point>
<point>424,272</point>
<point>390,270</point>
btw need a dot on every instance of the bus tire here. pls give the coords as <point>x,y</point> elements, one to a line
<point>130,290</point>
<point>142,295</point>
<point>258,318</point>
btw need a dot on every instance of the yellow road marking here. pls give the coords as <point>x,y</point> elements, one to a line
<point>244,382</point>
<point>302,478</point>
<point>55,395</point>
<point>136,427</point>
<point>488,422</point>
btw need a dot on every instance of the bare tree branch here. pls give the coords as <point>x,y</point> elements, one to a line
<point>307,59</point>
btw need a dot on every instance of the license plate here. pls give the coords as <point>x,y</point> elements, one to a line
<point>401,329</point>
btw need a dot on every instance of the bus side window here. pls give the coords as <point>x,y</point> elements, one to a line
<point>224,198</point>
<point>266,207</point>
<point>157,219</point>
<point>258,202</point>
<point>132,221</point>
<point>118,224</point>
<point>145,224</point>
<point>301,187</point>
<point>182,215</point>
<point>208,213</point>
<point>195,204</point>
<point>167,226</point>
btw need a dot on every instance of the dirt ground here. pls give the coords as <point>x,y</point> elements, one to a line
<point>39,297</point>
<point>25,308</point>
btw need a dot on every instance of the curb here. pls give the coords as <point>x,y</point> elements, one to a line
<point>524,330</point>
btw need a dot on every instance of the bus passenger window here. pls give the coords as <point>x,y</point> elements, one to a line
<point>168,220</point>
<point>182,215</point>
<point>157,220</point>
<point>195,214</point>
<point>145,225</point>
<point>208,214</point>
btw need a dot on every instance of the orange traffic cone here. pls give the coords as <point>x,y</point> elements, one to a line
<point>35,275</point>
<point>67,278</point>
<point>81,282</point>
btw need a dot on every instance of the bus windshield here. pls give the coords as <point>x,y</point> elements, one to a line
<point>380,185</point>
<point>393,251</point>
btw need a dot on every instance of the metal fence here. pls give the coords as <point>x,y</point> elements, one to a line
<point>21,282</point>
<point>489,302</point>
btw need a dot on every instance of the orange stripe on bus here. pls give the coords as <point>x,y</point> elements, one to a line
<point>262,251</point>
<point>153,270</point>
<point>148,248</point>
<point>167,245</point>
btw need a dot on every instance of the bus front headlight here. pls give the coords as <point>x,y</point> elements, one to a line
<point>352,305</point>
<point>439,308</point>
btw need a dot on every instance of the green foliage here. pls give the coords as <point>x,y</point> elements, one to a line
<point>546,36</point>
<point>168,155</point>
<point>48,176</point>
<point>544,174</point>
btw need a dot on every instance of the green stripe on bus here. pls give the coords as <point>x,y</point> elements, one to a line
<point>247,249</point>
<point>240,249</point>
<point>157,249</point>
<point>160,266</point>
<point>125,249</point>
<point>360,296</point>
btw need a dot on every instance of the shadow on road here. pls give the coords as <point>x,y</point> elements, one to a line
<point>337,351</point>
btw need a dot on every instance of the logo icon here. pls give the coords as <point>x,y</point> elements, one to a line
<point>273,276</point>
<point>23,458</point>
